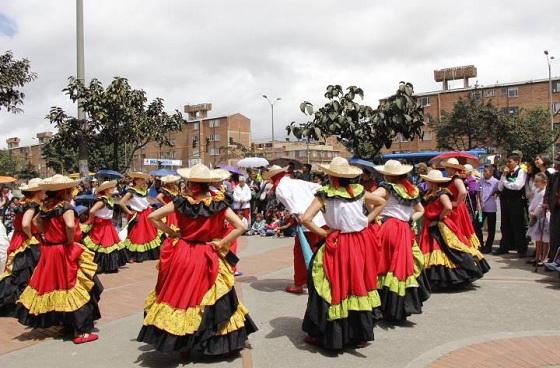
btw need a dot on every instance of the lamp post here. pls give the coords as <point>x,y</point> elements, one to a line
<point>271,103</point>
<point>83,148</point>
<point>549,59</point>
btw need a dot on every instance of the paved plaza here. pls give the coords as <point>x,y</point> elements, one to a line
<point>508,319</point>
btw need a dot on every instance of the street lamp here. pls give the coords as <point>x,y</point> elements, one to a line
<point>271,103</point>
<point>549,59</point>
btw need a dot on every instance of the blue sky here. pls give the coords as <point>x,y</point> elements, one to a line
<point>7,26</point>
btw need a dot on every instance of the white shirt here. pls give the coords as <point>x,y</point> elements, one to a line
<point>138,203</point>
<point>393,208</point>
<point>345,216</point>
<point>296,195</point>
<point>518,184</point>
<point>105,213</point>
<point>242,197</point>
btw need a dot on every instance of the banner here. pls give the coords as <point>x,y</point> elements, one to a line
<point>162,162</point>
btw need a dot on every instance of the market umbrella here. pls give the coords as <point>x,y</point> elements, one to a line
<point>85,199</point>
<point>285,161</point>
<point>253,162</point>
<point>7,179</point>
<point>463,158</point>
<point>362,163</point>
<point>230,168</point>
<point>163,172</point>
<point>111,174</point>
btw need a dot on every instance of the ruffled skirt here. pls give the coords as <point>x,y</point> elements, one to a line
<point>342,286</point>
<point>200,312</point>
<point>103,240</point>
<point>143,240</point>
<point>63,290</point>
<point>462,218</point>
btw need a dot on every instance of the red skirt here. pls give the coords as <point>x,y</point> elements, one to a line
<point>103,239</point>
<point>461,216</point>
<point>172,221</point>
<point>199,312</point>
<point>143,240</point>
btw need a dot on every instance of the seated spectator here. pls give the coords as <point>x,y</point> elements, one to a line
<point>270,228</point>
<point>242,218</point>
<point>287,225</point>
<point>258,226</point>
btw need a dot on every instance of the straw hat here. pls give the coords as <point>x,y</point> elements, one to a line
<point>340,168</point>
<point>435,176</point>
<point>32,185</point>
<point>273,170</point>
<point>393,168</point>
<point>224,174</point>
<point>57,182</point>
<point>6,179</point>
<point>200,173</point>
<point>106,185</point>
<point>138,175</point>
<point>168,179</point>
<point>453,163</point>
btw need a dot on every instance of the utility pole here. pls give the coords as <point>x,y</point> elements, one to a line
<point>271,103</point>
<point>83,148</point>
<point>549,59</point>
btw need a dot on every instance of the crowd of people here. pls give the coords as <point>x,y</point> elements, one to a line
<point>370,242</point>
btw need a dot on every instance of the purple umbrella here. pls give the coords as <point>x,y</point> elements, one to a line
<point>230,168</point>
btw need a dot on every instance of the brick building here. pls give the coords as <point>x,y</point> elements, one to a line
<point>508,97</point>
<point>30,155</point>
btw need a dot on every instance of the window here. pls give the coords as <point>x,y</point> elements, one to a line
<point>427,136</point>
<point>214,123</point>
<point>195,126</point>
<point>195,142</point>
<point>489,92</point>
<point>510,109</point>
<point>214,137</point>
<point>510,91</point>
<point>424,101</point>
<point>556,86</point>
<point>556,107</point>
<point>214,151</point>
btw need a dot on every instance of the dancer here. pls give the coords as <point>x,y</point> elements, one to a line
<point>167,194</point>
<point>194,306</point>
<point>342,282</point>
<point>449,260</point>
<point>63,289</point>
<point>402,284</point>
<point>102,238</point>
<point>23,251</point>
<point>460,213</point>
<point>143,239</point>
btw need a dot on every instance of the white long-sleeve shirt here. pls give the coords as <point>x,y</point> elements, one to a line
<point>296,195</point>
<point>242,197</point>
<point>517,184</point>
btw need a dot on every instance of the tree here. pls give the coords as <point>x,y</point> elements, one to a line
<point>116,117</point>
<point>7,163</point>
<point>14,74</point>
<point>27,172</point>
<point>360,128</point>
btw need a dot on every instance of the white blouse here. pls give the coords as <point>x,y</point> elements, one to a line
<point>104,213</point>
<point>138,203</point>
<point>394,208</point>
<point>345,216</point>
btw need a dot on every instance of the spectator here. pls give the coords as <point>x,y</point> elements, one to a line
<point>243,219</point>
<point>270,228</point>
<point>242,198</point>
<point>258,226</point>
<point>306,173</point>
<point>318,178</point>
<point>538,221</point>
<point>287,225</point>
<point>552,204</point>
<point>421,169</point>
<point>487,192</point>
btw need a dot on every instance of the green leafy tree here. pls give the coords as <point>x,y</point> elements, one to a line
<point>362,129</point>
<point>7,163</point>
<point>27,172</point>
<point>14,74</point>
<point>117,117</point>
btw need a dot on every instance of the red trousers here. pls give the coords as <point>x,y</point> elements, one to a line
<point>300,269</point>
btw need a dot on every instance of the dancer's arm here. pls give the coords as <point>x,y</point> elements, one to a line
<point>96,207</point>
<point>309,215</point>
<point>26,222</point>
<point>156,217</point>
<point>418,212</point>
<point>462,192</point>
<point>159,198</point>
<point>238,229</point>
<point>70,225</point>
<point>447,206</point>
<point>124,200</point>
<point>374,205</point>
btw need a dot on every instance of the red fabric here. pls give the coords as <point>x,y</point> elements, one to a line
<point>350,264</point>
<point>460,215</point>
<point>143,231</point>
<point>172,217</point>
<point>55,230</point>
<point>396,239</point>
<point>233,245</point>
<point>190,256</point>
<point>103,233</point>
<point>410,189</point>
<point>16,241</point>
<point>300,269</point>
<point>276,180</point>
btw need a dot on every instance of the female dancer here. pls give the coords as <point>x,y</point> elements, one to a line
<point>63,288</point>
<point>449,260</point>
<point>168,192</point>
<point>23,251</point>
<point>401,281</point>
<point>110,253</point>
<point>200,312</point>
<point>342,280</point>
<point>460,213</point>
<point>143,240</point>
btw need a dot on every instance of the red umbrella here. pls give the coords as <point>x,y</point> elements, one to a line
<point>463,158</point>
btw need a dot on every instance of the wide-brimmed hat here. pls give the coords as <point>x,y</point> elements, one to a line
<point>168,179</point>
<point>340,168</point>
<point>453,163</point>
<point>393,168</point>
<point>200,173</point>
<point>57,182</point>
<point>435,176</point>
<point>223,174</point>
<point>138,175</point>
<point>32,185</point>
<point>273,170</point>
<point>106,185</point>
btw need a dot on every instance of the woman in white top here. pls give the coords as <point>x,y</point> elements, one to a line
<point>538,220</point>
<point>401,282</point>
<point>143,239</point>
<point>343,277</point>
<point>102,238</point>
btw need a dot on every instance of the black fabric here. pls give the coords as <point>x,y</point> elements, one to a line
<point>106,202</point>
<point>57,211</point>
<point>205,340</point>
<point>491,218</point>
<point>13,285</point>
<point>26,206</point>
<point>554,227</point>
<point>195,210</point>
<point>111,262</point>
<point>397,196</point>
<point>513,225</point>
<point>435,196</point>
<point>79,321</point>
<point>396,308</point>
<point>139,257</point>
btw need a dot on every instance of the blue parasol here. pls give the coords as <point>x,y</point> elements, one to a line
<point>360,162</point>
<point>230,168</point>
<point>110,174</point>
<point>85,199</point>
<point>163,172</point>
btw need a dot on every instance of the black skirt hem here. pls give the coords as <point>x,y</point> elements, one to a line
<point>13,285</point>
<point>397,308</point>
<point>149,255</point>
<point>111,262</point>
<point>442,278</point>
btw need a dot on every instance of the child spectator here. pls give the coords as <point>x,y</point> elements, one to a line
<point>270,229</point>
<point>241,216</point>
<point>287,226</point>
<point>538,220</point>
<point>258,226</point>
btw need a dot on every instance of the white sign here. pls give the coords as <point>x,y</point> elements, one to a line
<point>194,161</point>
<point>162,162</point>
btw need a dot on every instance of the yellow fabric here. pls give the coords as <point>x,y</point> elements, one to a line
<point>418,259</point>
<point>438,258</point>
<point>395,285</point>
<point>141,248</point>
<point>64,300</point>
<point>85,228</point>
<point>323,288</point>
<point>217,197</point>
<point>331,191</point>
<point>453,242</point>
<point>99,249</point>
<point>10,261</point>
<point>474,242</point>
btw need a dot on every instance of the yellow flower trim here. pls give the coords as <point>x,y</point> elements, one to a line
<point>395,285</point>
<point>182,322</point>
<point>64,300</point>
<point>99,249</point>
<point>11,258</point>
<point>141,248</point>
<point>323,287</point>
<point>453,242</point>
<point>85,228</point>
